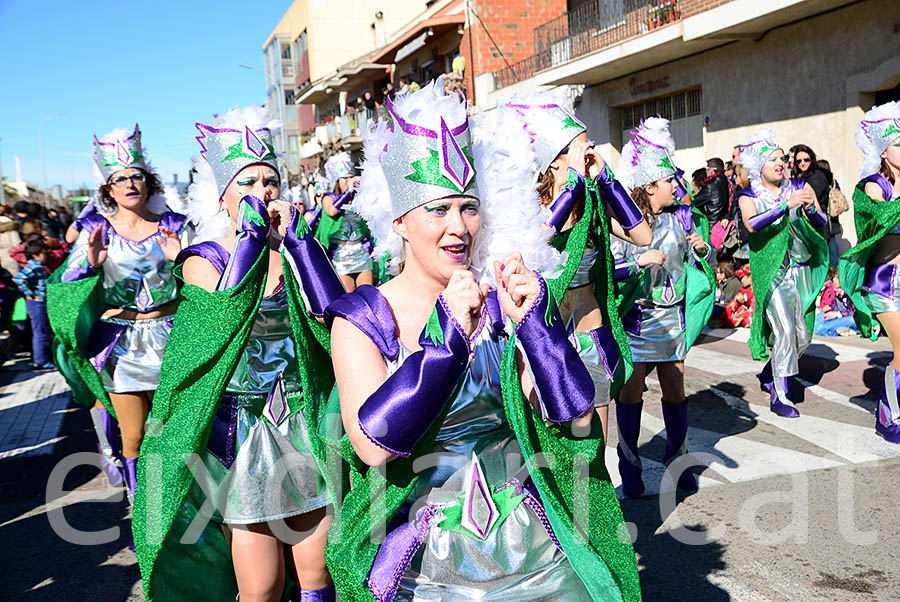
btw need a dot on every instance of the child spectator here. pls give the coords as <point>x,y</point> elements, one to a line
<point>57,250</point>
<point>834,311</point>
<point>739,311</point>
<point>32,281</point>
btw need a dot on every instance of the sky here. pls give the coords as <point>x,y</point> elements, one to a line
<point>164,64</point>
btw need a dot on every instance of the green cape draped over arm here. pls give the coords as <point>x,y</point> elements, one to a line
<point>873,219</point>
<point>209,334</point>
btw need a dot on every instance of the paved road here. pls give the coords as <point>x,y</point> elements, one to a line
<point>802,509</point>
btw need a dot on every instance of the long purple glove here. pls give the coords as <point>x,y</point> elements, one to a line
<point>562,206</point>
<point>316,214</point>
<point>618,200</point>
<point>767,218</point>
<point>342,200</point>
<point>816,218</point>
<point>319,284</point>
<point>561,380</point>
<point>253,231</point>
<point>680,190</point>
<point>626,268</point>
<point>404,407</point>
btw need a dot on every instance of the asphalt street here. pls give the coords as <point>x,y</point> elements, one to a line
<point>788,509</point>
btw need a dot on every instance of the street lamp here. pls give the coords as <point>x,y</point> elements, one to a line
<point>41,146</point>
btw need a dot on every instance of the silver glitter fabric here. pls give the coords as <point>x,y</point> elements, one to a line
<point>134,363</point>
<point>352,227</point>
<point>582,276</point>
<point>590,354</point>
<point>351,258</point>
<point>879,304</point>
<point>273,475</point>
<point>429,154</point>
<point>550,120</point>
<point>518,560</point>
<point>229,150</point>
<point>113,153</point>
<point>659,307</point>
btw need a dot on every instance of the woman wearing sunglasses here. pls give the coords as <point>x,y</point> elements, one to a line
<point>667,290</point>
<point>806,166</point>
<point>119,280</point>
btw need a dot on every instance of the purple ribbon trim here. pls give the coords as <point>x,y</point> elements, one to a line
<point>396,552</point>
<point>101,342</point>
<point>631,321</point>
<point>608,348</point>
<point>879,279</point>
<point>222,434</point>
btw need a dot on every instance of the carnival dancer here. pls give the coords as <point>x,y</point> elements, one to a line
<point>868,272</point>
<point>433,397</point>
<point>244,362</point>
<point>585,203</point>
<point>341,230</point>
<point>667,295</point>
<point>788,263</point>
<point>118,280</point>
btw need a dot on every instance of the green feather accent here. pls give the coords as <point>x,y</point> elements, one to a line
<point>428,171</point>
<point>433,329</point>
<point>891,129</point>
<point>666,162</point>
<point>549,314</point>
<point>570,122</point>
<point>506,501</point>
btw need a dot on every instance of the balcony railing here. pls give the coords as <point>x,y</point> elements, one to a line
<point>590,27</point>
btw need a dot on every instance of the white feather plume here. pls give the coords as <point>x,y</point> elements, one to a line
<point>872,149</point>
<point>751,159</point>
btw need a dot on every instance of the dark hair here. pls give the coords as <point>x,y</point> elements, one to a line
<point>642,200</point>
<point>698,178</point>
<point>886,171</point>
<point>30,226</point>
<point>107,203</point>
<point>21,207</point>
<point>715,163</point>
<point>795,171</point>
<point>729,164</point>
<point>33,248</point>
<point>545,195</point>
<point>726,266</point>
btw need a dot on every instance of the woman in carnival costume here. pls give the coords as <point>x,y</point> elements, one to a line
<point>868,272</point>
<point>341,230</point>
<point>448,407</point>
<point>668,292</point>
<point>788,262</point>
<point>585,203</point>
<point>246,359</point>
<point>111,305</point>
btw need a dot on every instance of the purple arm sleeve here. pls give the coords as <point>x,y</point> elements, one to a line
<point>342,200</point>
<point>562,382</point>
<point>816,217</point>
<point>319,284</point>
<point>314,221</point>
<point>562,206</point>
<point>253,230</point>
<point>767,218</point>
<point>626,268</point>
<point>617,199</point>
<point>405,406</point>
<point>680,190</point>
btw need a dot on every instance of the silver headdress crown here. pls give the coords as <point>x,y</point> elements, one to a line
<point>119,150</point>
<point>228,150</point>
<point>549,119</point>
<point>429,151</point>
<point>877,131</point>
<point>756,151</point>
<point>338,166</point>
<point>647,157</point>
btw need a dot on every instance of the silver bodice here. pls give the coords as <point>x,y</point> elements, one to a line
<point>797,251</point>
<point>352,228</point>
<point>582,275</point>
<point>269,351</point>
<point>136,274</point>
<point>663,285</point>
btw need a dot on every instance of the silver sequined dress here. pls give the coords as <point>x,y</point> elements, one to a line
<point>348,253</point>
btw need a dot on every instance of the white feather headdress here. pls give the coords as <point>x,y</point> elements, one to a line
<point>647,157</point>
<point>157,203</point>
<point>878,129</point>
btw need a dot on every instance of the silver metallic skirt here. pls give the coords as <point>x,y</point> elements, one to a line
<point>137,356</point>
<point>350,258</point>
<point>879,304</point>
<point>657,334</point>
<point>268,473</point>
<point>784,312</point>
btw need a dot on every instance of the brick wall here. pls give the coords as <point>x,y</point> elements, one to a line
<point>689,8</point>
<point>511,23</point>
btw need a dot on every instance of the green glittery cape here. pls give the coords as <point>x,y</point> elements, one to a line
<point>594,223</point>
<point>700,288</point>
<point>768,248</point>
<point>208,337</point>
<point>73,308</point>
<point>873,219</point>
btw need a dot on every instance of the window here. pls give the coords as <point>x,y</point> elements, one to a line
<point>285,51</point>
<point>682,109</point>
<point>293,144</point>
<point>288,97</point>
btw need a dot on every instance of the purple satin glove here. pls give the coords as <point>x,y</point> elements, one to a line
<point>405,406</point>
<point>816,218</point>
<point>562,206</point>
<point>342,200</point>
<point>319,284</point>
<point>253,232</point>
<point>563,384</point>
<point>680,190</point>
<point>626,268</point>
<point>316,214</point>
<point>767,218</point>
<point>614,196</point>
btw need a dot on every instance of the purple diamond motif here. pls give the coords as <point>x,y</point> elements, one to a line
<point>123,155</point>
<point>668,293</point>
<point>454,163</point>
<point>276,406</point>
<point>253,143</point>
<point>144,299</point>
<point>480,513</point>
